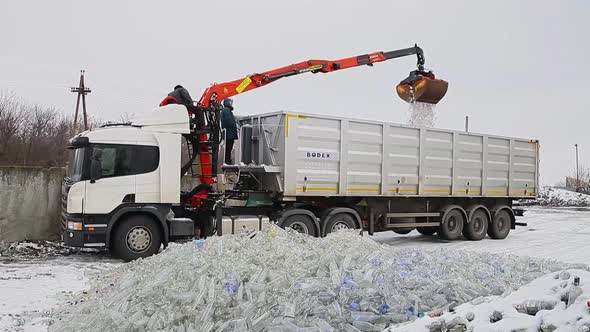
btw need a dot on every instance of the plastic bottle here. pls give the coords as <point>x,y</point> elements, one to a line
<point>457,324</point>
<point>574,291</point>
<point>548,327</point>
<point>438,326</point>
<point>496,316</point>
<point>531,307</point>
<point>363,316</point>
<point>364,326</point>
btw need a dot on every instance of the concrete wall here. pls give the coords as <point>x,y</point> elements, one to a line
<point>30,203</point>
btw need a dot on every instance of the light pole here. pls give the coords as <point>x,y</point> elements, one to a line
<point>577,168</point>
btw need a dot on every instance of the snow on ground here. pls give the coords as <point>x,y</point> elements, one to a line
<point>561,197</point>
<point>549,303</point>
<point>558,233</point>
<point>30,288</point>
<point>33,288</point>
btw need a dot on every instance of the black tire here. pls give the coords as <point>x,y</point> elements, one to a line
<point>135,237</point>
<point>402,231</point>
<point>500,225</point>
<point>426,231</point>
<point>477,226</point>
<point>340,221</point>
<point>452,225</point>
<point>301,223</point>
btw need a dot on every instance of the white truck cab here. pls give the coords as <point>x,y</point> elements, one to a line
<point>124,169</point>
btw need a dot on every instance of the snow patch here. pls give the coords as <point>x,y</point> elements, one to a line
<point>549,303</point>
<point>562,198</point>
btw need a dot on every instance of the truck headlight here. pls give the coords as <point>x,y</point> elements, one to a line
<point>75,226</point>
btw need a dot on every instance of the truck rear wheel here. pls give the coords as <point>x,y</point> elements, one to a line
<point>500,225</point>
<point>136,236</point>
<point>477,227</point>
<point>452,225</point>
<point>301,223</point>
<point>340,221</point>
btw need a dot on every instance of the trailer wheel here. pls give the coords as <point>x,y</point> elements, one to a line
<point>500,225</point>
<point>477,227</point>
<point>301,223</point>
<point>135,237</point>
<point>402,231</point>
<point>340,221</point>
<point>452,225</point>
<point>427,231</point>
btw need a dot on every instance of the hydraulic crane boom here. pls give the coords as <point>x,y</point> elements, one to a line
<point>420,86</point>
<point>217,92</point>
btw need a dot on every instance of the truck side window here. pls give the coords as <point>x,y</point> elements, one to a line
<point>121,160</point>
<point>145,159</point>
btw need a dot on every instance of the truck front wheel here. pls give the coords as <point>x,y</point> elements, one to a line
<point>136,236</point>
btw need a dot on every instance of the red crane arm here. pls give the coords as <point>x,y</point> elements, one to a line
<point>217,92</point>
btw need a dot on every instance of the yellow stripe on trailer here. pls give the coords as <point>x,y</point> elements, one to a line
<point>305,189</point>
<point>289,116</point>
<point>439,191</point>
<point>363,190</point>
<point>404,190</point>
<point>497,191</point>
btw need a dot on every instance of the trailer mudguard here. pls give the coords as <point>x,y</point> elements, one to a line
<point>471,209</point>
<point>497,208</point>
<point>449,208</point>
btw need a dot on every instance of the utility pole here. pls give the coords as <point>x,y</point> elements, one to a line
<point>577,168</point>
<point>466,123</point>
<point>82,91</point>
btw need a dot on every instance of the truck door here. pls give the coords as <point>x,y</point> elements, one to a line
<point>116,183</point>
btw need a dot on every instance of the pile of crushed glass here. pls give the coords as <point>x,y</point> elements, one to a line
<point>280,280</point>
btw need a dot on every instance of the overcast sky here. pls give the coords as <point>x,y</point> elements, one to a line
<point>517,68</point>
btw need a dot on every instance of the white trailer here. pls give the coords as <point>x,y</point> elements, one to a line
<point>315,155</point>
<point>383,176</point>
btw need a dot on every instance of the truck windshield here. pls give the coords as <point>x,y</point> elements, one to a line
<point>76,164</point>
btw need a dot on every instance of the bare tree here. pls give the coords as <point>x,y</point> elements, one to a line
<point>31,134</point>
<point>10,119</point>
<point>126,117</point>
<point>579,180</point>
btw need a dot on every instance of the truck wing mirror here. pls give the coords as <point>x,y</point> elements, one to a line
<point>95,170</point>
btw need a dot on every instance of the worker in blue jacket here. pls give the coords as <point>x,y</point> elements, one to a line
<point>228,122</point>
